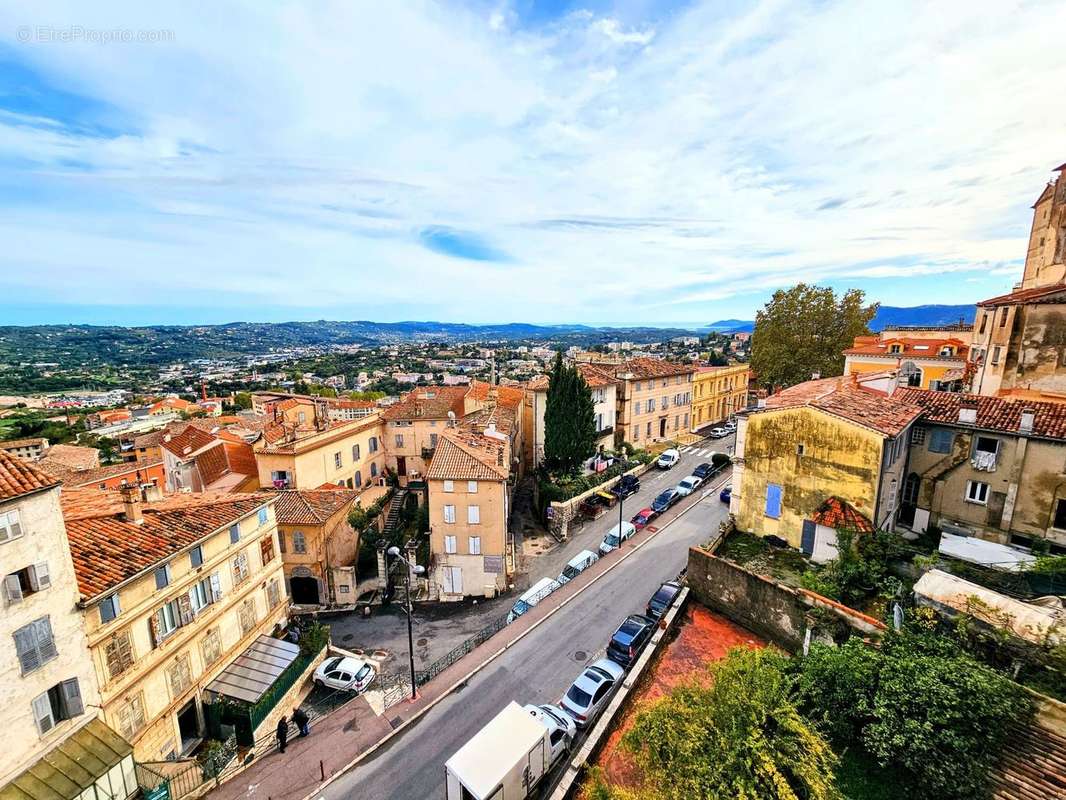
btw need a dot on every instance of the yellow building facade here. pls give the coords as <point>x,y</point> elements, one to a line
<point>718,393</point>
<point>349,454</point>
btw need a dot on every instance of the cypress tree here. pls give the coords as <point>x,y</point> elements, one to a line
<point>569,418</point>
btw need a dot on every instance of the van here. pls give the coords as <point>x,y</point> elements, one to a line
<point>615,536</point>
<point>578,564</point>
<point>533,595</point>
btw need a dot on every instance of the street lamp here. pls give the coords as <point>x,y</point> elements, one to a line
<point>394,551</point>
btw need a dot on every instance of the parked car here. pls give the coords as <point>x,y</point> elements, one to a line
<point>665,500</point>
<point>615,536</point>
<point>576,565</point>
<point>642,518</point>
<point>588,695</point>
<point>627,485</point>
<point>703,470</point>
<point>346,673</point>
<point>730,426</point>
<point>668,459</point>
<point>688,485</point>
<point>630,639</point>
<point>662,600</point>
<point>718,433</point>
<point>561,728</point>
<point>533,595</point>
<point>726,494</point>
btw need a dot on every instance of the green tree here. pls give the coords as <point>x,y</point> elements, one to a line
<point>804,330</point>
<point>242,400</point>
<point>569,418</point>
<point>739,737</point>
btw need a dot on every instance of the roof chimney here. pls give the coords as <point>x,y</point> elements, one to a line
<point>131,505</point>
<point>1025,424</point>
<point>968,411</point>
<point>151,493</point>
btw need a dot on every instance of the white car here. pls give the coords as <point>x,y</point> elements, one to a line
<point>730,426</point>
<point>688,485</point>
<point>347,673</point>
<point>589,694</point>
<point>561,727</point>
<point>718,433</point>
<point>668,459</point>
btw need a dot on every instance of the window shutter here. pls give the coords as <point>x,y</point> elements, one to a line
<point>154,631</point>
<point>119,654</point>
<point>16,526</point>
<point>41,577</point>
<point>773,501</point>
<point>216,588</point>
<point>72,696</point>
<point>42,712</point>
<point>12,589</point>
<point>46,643</point>
<point>26,647</point>
<point>185,615</point>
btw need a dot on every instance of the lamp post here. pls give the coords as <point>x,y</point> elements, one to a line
<point>418,570</point>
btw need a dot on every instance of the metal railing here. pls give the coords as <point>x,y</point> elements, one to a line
<point>181,777</point>
<point>442,663</point>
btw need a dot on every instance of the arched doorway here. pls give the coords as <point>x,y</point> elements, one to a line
<point>304,587</point>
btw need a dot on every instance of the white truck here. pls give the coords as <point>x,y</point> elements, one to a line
<point>506,759</point>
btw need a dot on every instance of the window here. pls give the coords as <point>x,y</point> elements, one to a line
<point>636,407</point>
<point>234,534</point>
<point>338,462</point>
<point>473,515</point>
<point>976,492</point>
<point>246,613</point>
<point>648,432</point>
<point>373,470</point>
<point>449,544</point>
<point>179,675</point>
<point>299,542</point>
<point>773,501</point>
<point>449,514</point>
<point>941,440</point>
<point>433,440</point>
<point>196,556</point>
<point>995,355</point>
<point>266,549</point>
<point>373,444</point>
<point>636,432</point>
<point>109,608</point>
<point>475,545</point>
<point>281,540</point>
<point>1003,317</point>
<point>301,416</point>
<point>917,435</point>
<point>273,593</point>
<point>449,486</point>
<point>637,386</point>
<point>399,440</point>
<point>211,647</point>
<point>263,516</point>
<point>202,594</point>
<point>10,527</point>
<point>800,449</point>
<point>162,576</point>
<point>35,645</point>
<point>357,480</point>
<point>165,621</point>
<point>453,580</point>
<point>984,321</point>
<point>471,487</point>
<point>896,348</point>
<point>26,581</point>
<point>61,702</point>
<point>131,717</point>
<point>240,566</point>
<point>355,452</point>
<point>118,654</point>
<point>986,444</point>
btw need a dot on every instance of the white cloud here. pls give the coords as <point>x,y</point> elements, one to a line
<point>687,159</point>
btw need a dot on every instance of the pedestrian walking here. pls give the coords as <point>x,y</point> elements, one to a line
<point>283,733</point>
<point>301,721</point>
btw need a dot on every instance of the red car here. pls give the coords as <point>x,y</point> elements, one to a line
<point>643,517</point>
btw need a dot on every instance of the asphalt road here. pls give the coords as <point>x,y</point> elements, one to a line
<point>540,668</point>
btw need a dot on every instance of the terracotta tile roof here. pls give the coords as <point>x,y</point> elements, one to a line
<point>467,456</point>
<point>418,404</point>
<point>1043,293</point>
<point>70,456</point>
<point>174,403</point>
<point>596,375</point>
<point>508,396</point>
<point>288,439</point>
<point>653,368</point>
<point>18,477</point>
<point>107,550</point>
<point>1032,765</point>
<point>311,507</point>
<point>993,413</point>
<point>241,457</point>
<point>837,513</point>
<point>212,463</point>
<point>844,397</point>
<point>538,383</point>
<point>91,477</point>
<point>913,347</point>
<point>11,444</point>
<point>188,442</point>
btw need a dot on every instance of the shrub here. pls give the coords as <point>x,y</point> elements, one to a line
<point>836,686</point>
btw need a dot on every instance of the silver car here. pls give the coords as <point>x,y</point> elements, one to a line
<point>688,485</point>
<point>589,694</point>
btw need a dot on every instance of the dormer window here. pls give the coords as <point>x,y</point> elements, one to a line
<point>896,348</point>
<point>947,350</point>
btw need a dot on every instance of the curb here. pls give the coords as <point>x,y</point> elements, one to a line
<point>492,657</point>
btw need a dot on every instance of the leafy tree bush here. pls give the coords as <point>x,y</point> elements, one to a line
<point>860,569</point>
<point>569,418</point>
<point>836,687</point>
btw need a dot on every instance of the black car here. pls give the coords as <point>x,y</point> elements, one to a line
<point>662,599</point>
<point>629,484</point>
<point>630,639</point>
<point>703,470</point>
<point>665,500</point>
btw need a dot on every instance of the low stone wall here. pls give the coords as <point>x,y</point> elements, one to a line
<point>777,612</point>
<point>565,510</point>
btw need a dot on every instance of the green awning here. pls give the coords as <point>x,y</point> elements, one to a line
<point>71,767</point>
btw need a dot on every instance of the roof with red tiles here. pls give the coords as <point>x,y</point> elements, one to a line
<point>188,442</point>
<point>286,439</point>
<point>838,513</point>
<point>468,456</point>
<point>91,477</point>
<point>311,507</point>
<point>32,441</point>
<point>430,402</point>
<point>1041,293</point>
<point>510,396</point>
<point>241,457</point>
<point>909,346</point>
<point>212,463</point>
<point>107,550</point>
<point>845,397</point>
<point>653,368</point>
<point>18,477</point>
<point>71,456</point>
<point>1001,414</point>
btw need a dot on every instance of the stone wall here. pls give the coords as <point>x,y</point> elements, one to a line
<point>777,612</point>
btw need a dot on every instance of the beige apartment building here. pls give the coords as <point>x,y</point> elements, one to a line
<point>469,501</point>
<point>48,687</point>
<point>655,400</point>
<point>718,393</point>
<point>601,381</point>
<point>345,453</point>
<point>413,426</point>
<point>171,595</point>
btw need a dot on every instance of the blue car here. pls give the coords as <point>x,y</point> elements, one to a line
<point>725,494</point>
<point>665,500</point>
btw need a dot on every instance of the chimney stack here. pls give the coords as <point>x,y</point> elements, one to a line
<point>1025,424</point>
<point>131,504</point>
<point>151,493</point>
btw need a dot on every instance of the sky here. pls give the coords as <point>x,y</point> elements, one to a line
<point>608,162</point>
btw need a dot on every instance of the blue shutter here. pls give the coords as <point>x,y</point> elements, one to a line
<point>807,537</point>
<point>773,501</point>
<point>940,440</point>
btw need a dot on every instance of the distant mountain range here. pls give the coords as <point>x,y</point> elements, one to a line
<point>886,317</point>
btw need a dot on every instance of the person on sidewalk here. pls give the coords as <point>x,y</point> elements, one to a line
<point>283,733</point>
<point>301,721</point>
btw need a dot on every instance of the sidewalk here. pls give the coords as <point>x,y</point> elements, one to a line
<point>353,730</point>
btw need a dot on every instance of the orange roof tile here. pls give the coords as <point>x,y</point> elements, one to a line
<point>838,513</point>
<point>311,507</point>
<point>1024,296</point>
<point>468,456</point>
<point>653,368</point>
<point>430,402</point>
<point>993,413</point>
<point>188,442</point>
<point>913,347</point>
<point>844,397</point>
<point>91,477</point>
<point>18,477</point>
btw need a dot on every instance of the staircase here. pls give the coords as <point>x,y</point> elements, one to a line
<point>392,521</point>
